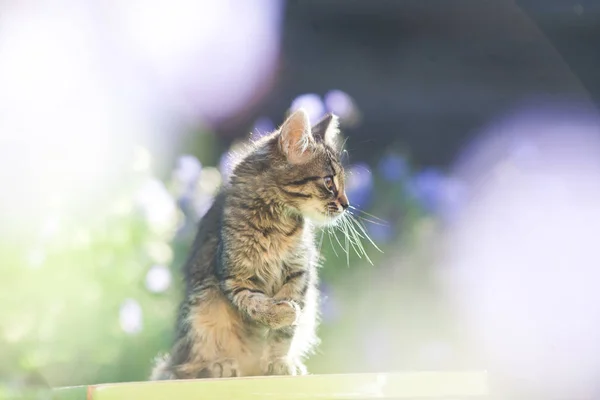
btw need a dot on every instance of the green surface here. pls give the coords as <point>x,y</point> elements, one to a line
<point>326,387</point>
<point>70,393</point>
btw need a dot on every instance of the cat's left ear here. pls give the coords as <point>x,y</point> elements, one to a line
<point>295,138</point>
<point>327,130</point>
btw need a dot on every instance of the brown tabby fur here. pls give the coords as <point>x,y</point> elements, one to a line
<point>251,305</point>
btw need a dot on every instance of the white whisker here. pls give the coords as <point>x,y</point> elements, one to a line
<point>364,231</point>
<point>329,234</point>
<point>321,241</point>
<point>367,214</point>
<point>359,242</point>
<point>368,220</point>
<point>347,229</point>
<point>347,251</point>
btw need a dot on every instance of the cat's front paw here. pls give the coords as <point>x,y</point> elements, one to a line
<point>283,313</point>
<point>281,366</point>
<point>301,368</point>
<point>226,368</point>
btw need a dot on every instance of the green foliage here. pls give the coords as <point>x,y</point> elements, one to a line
<point>63,292</point>
<point>75,303</point>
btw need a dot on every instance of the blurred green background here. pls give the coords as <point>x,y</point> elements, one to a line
<point>98,296</point>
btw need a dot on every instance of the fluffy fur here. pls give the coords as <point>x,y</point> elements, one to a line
<point>251,304</point>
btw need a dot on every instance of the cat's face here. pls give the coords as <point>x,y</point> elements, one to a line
<point>312,177</point>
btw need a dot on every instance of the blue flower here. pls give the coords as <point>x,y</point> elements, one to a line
<point>262,126</point>
<point>340,103</point>
<point>454,196</point>
<point>426,188</point>
<point>311,103</point>
<point>393,167</point>
<point>329,307</point>
<point>185,177</point>
<point>380,232</point>
<point>188,170</point>
<point>359,185</point>
<point>437,193</point>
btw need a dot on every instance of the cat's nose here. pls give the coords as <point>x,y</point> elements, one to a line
<point>343,200</point>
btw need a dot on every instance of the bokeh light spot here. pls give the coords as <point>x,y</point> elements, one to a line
<point>311,103</point>
<point>130,317</point>
<point>158,279</point>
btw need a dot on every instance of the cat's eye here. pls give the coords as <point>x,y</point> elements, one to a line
<point>328,181</point>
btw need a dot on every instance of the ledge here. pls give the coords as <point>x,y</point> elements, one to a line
<point>405,385</point>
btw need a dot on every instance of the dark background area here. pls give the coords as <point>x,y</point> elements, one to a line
<point>428,74</point>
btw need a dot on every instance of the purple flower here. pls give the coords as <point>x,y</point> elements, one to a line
<point>340,103</point>
<point>359,185</point>
<point>393,167</point>
<point>437,193</point>
<point>311,103</point>
<point>329,307</point>
<point>454,195</point>
<point>380,232</point>
<point>262,126</point>
<point>426,188</point>
<point>202,204</point>
<point>188,170</point>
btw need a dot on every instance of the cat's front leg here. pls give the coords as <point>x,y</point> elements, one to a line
<point>225,368</point>
<point>277,359</point>
<point>298,279</point>
<point>252,301</point>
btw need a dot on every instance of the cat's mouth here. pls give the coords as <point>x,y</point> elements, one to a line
<point>334,210</point>
<point>322,217</point>
<point>332,213</point>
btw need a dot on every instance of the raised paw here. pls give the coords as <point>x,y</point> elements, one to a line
<point>283,313</point>
<point>226,368</point>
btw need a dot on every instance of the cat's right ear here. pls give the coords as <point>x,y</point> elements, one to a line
<point>327,130</point>
<point>295,138</point>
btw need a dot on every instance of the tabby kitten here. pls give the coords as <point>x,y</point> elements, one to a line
<point>251,296</point>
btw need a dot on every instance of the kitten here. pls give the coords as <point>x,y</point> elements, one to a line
<point>251,297</point>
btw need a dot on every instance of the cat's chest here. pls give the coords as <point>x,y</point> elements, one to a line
<point>277,272</point>
<point>281,253</point>
<point>278,246</point>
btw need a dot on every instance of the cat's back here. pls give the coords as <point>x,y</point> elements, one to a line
<point>203,257</point>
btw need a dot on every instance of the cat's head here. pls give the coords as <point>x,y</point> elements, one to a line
<point>309,174</point>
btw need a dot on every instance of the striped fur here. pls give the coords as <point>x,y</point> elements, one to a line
<point>251,304</point>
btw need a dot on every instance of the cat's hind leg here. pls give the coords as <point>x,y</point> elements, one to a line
<point>162,369</point>
<point>214,339</point>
